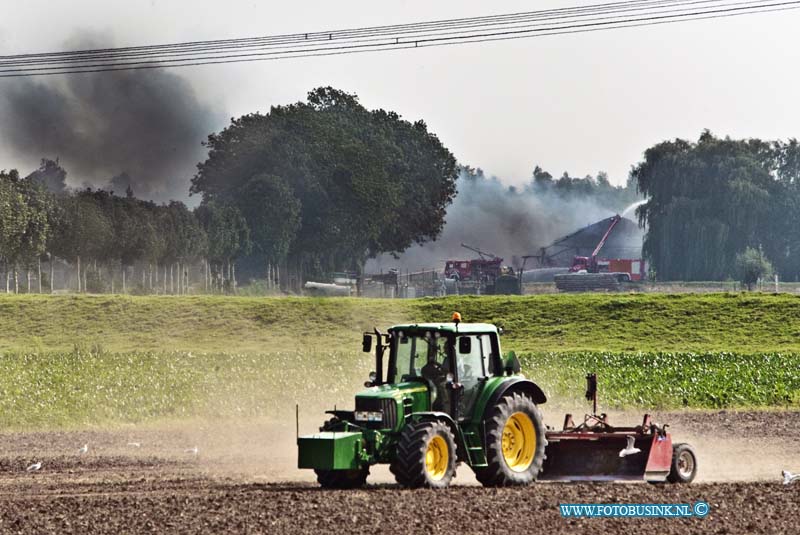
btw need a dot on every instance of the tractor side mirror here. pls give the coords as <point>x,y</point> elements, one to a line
<point>366,343</point>
<point>465,345</point>
<point>591,386</point>
<point>512,363</point>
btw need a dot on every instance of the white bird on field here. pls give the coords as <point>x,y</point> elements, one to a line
<point>34,467</point>
<point>789,477</point>
<point>629,449</point>
<point>135,444</point>
<point>193,451</point>
<point>84,449</point>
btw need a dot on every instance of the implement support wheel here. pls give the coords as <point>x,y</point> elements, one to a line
<point>684,464</point>
<point>514,442</point>
<point>425,456</point>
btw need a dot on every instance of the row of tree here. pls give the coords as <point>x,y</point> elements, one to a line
<point>306,189</point>
<point>597,189</point>
<point>105,236</point>
<point>320,186</point>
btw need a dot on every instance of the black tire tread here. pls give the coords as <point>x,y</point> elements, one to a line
<point>408,466</point>
<point>674,476</point>
<point>497,474</point>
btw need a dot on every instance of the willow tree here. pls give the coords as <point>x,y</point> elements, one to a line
<point>710,200</point>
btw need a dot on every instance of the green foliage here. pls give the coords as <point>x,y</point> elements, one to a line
<point>89,386</point>
<point>95,283</point>
<point>227,230</point>
<point>25,219</point>
<point>272,212</point>
<point>327,182</point>
<point>709,200</point>
<point>51,176</point>
<point>710,380</point>
<point>597,189</point>
<point>752,265</point>
<point>84,230</point>
<point>184,238</point>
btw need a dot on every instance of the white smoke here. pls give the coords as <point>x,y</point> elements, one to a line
<point>507,222</point>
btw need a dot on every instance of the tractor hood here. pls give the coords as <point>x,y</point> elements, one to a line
<point>392,401</point>
<point>394,391</point>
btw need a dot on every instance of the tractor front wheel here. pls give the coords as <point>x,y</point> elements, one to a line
<point>425,456</point>
<point>515,443</point>
<point>342,479</point>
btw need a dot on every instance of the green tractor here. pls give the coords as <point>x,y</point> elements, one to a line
<point>448,396</point>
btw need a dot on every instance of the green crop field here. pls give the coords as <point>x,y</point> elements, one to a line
<point>98,360</point>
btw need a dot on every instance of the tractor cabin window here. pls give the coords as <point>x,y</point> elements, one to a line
<point>414,350</point>
<point>470,361</point>
<point>486,354</point>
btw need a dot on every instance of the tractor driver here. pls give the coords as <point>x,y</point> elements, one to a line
<point>436,372</point>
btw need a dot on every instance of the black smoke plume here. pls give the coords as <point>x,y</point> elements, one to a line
<point>144,126</point>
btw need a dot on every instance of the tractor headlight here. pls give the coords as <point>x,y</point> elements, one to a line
<point>369,416</point>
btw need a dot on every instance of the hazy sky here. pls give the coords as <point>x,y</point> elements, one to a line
<point>580,103</point>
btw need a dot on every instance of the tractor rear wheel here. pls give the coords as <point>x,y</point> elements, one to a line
<point>515,443</point>
<point>425,456</point>
<point>342,479</point>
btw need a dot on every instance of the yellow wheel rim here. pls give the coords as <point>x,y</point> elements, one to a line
<point>436,458</point>
<point>519,442</point>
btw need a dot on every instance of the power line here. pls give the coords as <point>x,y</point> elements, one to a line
<point>264,43</point>
<point>338,34</point>
<point>337,45</point>
<point>579,19</point>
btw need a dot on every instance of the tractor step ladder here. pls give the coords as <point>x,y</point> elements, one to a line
<point>475,452</point>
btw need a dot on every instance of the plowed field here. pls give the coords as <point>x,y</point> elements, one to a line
<point>150,480</point>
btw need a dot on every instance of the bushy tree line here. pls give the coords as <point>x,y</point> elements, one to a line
<point>716,199</point>
<point>107,236</point>
<point>306,189</point>
<point>598,188</point>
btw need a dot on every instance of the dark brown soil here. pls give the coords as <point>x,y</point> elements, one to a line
<point>200,505</point>
<point>159,487</point>
<point>759,425</point>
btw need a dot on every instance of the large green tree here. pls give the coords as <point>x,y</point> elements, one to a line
<point>326,183</point>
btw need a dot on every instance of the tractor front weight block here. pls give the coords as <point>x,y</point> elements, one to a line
<point>331,450</point>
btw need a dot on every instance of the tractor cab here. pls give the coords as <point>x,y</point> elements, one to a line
<point>451,360</point>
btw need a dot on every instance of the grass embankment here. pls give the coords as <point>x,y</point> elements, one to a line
<point>201,324</point>
<point>77,360</point>
<point>744,323</point>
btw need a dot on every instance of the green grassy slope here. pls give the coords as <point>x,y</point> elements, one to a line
<point>206,323</point>
<point>638,322</point>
